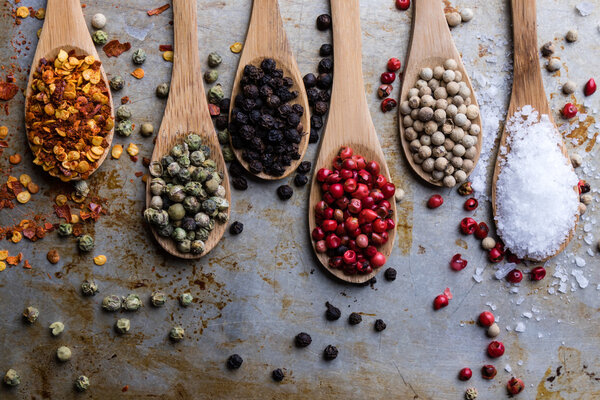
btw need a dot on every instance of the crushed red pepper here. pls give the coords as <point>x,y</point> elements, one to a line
<point>165,47</point>
<point>114,48</point>
<point>158,10</point>
<point>8,90</point>
<point>68,115</point>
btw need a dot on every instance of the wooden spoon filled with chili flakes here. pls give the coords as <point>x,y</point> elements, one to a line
<point>69,114</point>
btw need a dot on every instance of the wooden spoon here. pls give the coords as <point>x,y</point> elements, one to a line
<point>349,122</point>
<point>266,38</point>
<point>528,87</point>
<point>430,46</point>
<point>187,111</point>
<point>64,28</point>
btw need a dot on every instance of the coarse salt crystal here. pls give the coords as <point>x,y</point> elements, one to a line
<point>520,327</point>
<point>535,200</point>
<point>585,8</point>
<point>507,368</point>
<point>491,306</point>
<point>520,300</point>
<point>580,262</point>
<point>477,278</point>
<point>527,314</point>
<point>582,281</point>
<point>520,362</point>
<point>503,270</point>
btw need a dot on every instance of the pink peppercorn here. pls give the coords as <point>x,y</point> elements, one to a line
<point>388,77</point>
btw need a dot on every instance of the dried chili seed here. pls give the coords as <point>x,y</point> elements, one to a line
<point>333,313</point>
<point>234,361</point>
<point>330,353</point>
<point>380,325</point>
<point>390,274</point>
<point>324,22</point>
<point>285,192</point>
<point>300,180</point>
<point>354,319</point>
<point>303,339</point>
<point>236,228</point>
<point>277,375</point>
<point>53,256</point>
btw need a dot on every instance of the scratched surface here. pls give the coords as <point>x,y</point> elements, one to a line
<point>256,291</point>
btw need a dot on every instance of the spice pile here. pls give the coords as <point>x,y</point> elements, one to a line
<point>68,115</point>
<point>187,195</point>
<point>535,209</point>
<point>355,215</point>
<point>440,124</point>
<point>263,125</point>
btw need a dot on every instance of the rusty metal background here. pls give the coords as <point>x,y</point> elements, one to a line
<point>256,291</point>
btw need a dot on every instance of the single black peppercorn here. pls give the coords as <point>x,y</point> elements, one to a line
<point>354,319</point>
<point>224,105</point>
<point>221,122</point>
<point>234,361</point>
<point>300,180</point>
<point>390,274</point>
<point>320,108</point>
<point>239,183</point>
<point>316,121</point>
<point>236,169</point>
<point>268,64</point>
<point>324,81</point>
<point>326,50</point>
<point>236,228</point>
<point>256,166</point>
<point>324,22</point>
<point>325,95</point>
<point>303,339</point>
<point>333,313</point>
<point>380,325</point>
<point>304,167</point>
<point>330,353</point>
<point>325,65</point>
<point>312,95</point>
<point>314,136</point>
<point>277,375</point>
<point>285,192</point>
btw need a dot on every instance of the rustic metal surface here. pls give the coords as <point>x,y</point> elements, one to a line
<point>256,291</point>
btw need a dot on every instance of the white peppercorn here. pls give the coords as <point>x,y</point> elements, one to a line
<point>576,160</point>
<point>458,150</point>
<point>452,88</point>
<point>407,121</point>
<point>587,199</point>
<point>457,134</point>
<point>441,163</point>
<point>417,159</point>
<point>457,76</point>
<point>458,100</point>
<point>424,91</point>
<point>494,329</point>
<point>460,176</point>
<point>405,108</point>
<point>438,71</point>
<point>582,208</point>
<point>63,353</point>
<point>460,119</point>
<point>466,14</point>
<point>414,145</point>
<point>453,19</point>
<point>427,101</point>
<point>437,138</point>
<point>424,152</point>
<point>428,164</point>
<point>410,134</point>
<point>475,129</point>
<point>433,84</point>
<point>472,112</point>
<point>440,93</point>
<point>98,21</point>
<point>441,104</point>
<point>438,151</point>
<point>457,162</point>
<point>450,64</point>
<point>468,141</point>
<point>448,76</point>
<point>147,129</point>
<point>451,111</point>
<point>553,65</point>
<point>449,181</point>
<point>572,36</point>
<point>462,109</point>
<point>447,129</point>
<point>488,243</point>
<point>430,128</point>
<point>468,165</point>
<point>425,140</point>
<point>439,116</point>
<point>414,102</point>
<point>399,195</point>
<point>420,84</point>
<point>414,114</point>
<point>412,93</point>
<point>448,144</point>
<point>449,170</point>
<point>470,153</point>
<point>468,101</point>
<point>464,91</point>
<point>437,176</point>
<point>569,87</point>
<point>426,73</point>
<point>418,126</point>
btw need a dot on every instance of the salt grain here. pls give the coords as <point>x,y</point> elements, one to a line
<point>535,200</point>
<point>507,368</point>
<point>582,281</point>
<point>520,327</point>
<point>585,8</point>
<point>580,262</point>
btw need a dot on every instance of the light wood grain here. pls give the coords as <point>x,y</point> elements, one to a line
<point>528,89</point>
<point>64,28</point>
<point>431,44</point>
<point>349,122</point>
<point>266,38</point>
<point>187,111</point>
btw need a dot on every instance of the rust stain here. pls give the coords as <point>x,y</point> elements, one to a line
<point>421,250</point>
<point>405,225</point>
<point>469,322</point>
<point>569,378</point>
<point>483,50</point>
<point>462,243</point>
<point>286,302</point>
<point>448,7</point>
<point>580,134</point>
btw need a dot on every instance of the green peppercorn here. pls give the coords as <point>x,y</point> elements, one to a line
<point>166,231</point>
<point>158,298</point>
<point>228,154</point>
<point>89,287</point>
<point>223,136</point>
<point>176,211</point>
<point>222,217</point>
<point>214,59</point>
<point>179,234</point>
<point>176,193</point>
<point>156,186</point>
<point>65,229</point>
<point>222,203</point>
<point>147,129</point>
<point>162,91</point>
<point>138,56</point>
<point>117,82</point>
<point>56,328</point>
<point>197,246</point>
<point>132,302</point>
<point>85,243</point>
<point>177,333</point>
<point>111,303</point>
<point>197,158</point>
<point>124,128</point>
<point>209,207</point>
<point>193,141</point>
<point>202,220</point>
<point>186,299</point>
<point>200,174</point>
<point>184,246</point>
<point>216,94</point>
<point>100,37</point>
<point>82,383</point>
<point>211,76</point>
<point>123,113</point>
<point>191,204</point>
<point>31,314</point>
<point>122,325</point>
<point>12,378</point>
<point>202,234</point>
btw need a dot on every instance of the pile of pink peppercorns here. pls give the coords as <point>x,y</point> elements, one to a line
<point>387,78</point>
<point>354,215</point>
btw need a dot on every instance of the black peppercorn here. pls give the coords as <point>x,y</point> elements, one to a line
<point>354,319</point>
<point>320,108</point>
<point>325,95</point>
<point>239,183</point>
<point>304,167</point>
<point>323,22</point>
<point>234,361</point>
<point>268,64</point>
<point>288,82</point>
<point>312,95</point>
<point>222,121</point>
<point>255,166</point>
<point>236,228</point>
<point>314,136</point>
<point>300,180</point>
<point>285,192</point>
<point>251,91</point>
<point>298,109</point>
<point>235,169</point>
<point>330,353</point>
<point>224,105</point>
<point>303,339</point>
<point>333,313</point>
<point>380,325</point>
<point>277,375</point>
<point>325,65</point>
<point>390,274</point>
<point>324,81</point>
<point>326,50</point>
<point>316,121</point>
<point>310,80</point>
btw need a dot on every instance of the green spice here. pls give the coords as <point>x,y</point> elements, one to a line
<point>158,298</point>
<point>117,82</point>
<point>85,243</point>
<point>216,94</point>
<point>89,287</point>
<point>57,328</point>
<point>12,378</point>
<point>132,302</point>
<point>138,56</point>
<point>186,299</point>
<point>147,129</point>
<point>123,113</point>
<point>177,333</point>
<point>214,59</point>
<point>211,76</point>
<point>111,303</point>
<point>122,325</point>
<point>31,314</point>
<point>82,383</point>
<point>223,136</point>
<point>63,353</point>
<point>124,128</point>
<point>162,91</point>
<point>100,37</point>
<point>65,229</point>
<point>228,154</point>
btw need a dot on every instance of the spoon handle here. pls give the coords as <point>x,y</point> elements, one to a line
<point>430,26</point>
<point>266,27</point>
<point>64,24</point>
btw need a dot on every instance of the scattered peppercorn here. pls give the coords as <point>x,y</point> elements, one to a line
<point>139,56</point>
<point>277,375</point>
<point>89,287</point>
<point>158,299</point>
<point>239,183</point>
<point>31,314</point>
<point>380,325</point>
<point>177,333</point>
<point>300,180</point>
<point>236,228</point>
<point>471,394</point>
<point>324,22</point>
<point>186,299</point>
<point>214,60</point>
<point>333,313</point>
<point>314,136</point>
<point>211,76</point>
<point>56,328</point>
<point>12,378</point>
<point>162,90</point>
<point>85,243</point>
<point>309,80</point>
<point>548,49</point>
<point>488,372</point>
<point>100,37</point>
<point>82,383</point>
<point>234,361</point>
<point>122,325</point>
<point>304,167</point>
<point>326,50</point>
<point>354,319</point>
<point>285,192</point>
<point>390,274</point>
<point>330,353</point>
<point>303,339</point>
<point>112,303</point>
<point>147,129</point>
<point>325,65</point>
<point>63,353</point>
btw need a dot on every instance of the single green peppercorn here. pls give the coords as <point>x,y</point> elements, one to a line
<point>85,243</point>
<point>147,129</point>
<point>65,229</point>
<point>211,76</point>
<point>214,59</point>
<point>122,325</point>
<point>123,113</point>
<point>162,90</point>
<point>177,333</point>
<point>223,136</point>
<point>112,303</point>
<point>216,94</point>
<point>81,188</point>
<point>158,298</point>
<point>12,378</point>
<point>132,302</point>
<point>138,56</point>
<point>124,128</point>
<point>31,314</point>
<point>82,383</point>
<point>228,154</point>
<point>117,82</point>
<point>89,287</point>
<point>186,299</point>
<point>100,37</point>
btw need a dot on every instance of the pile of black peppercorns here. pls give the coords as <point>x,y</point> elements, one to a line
<point>318,91</point>
<point>263,125</point>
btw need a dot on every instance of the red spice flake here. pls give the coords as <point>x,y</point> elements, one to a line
<point>214,110</point>
<point>26,265</point>
<point>125,100</point>
<point>77,230</point>
<point>145,162</point>
<point>165,47</point>
<point>158,10</point>
<point>8,90</point>
<point>63,211</point>
<point>48,227</point>
<point>3,144</point>
<point>448,294</point>
<point>125,388</point>
<point>14,260</point>
<point>138,174</point>
<point>114,48</point>
<point>134,158</point>
<point>29,233</point>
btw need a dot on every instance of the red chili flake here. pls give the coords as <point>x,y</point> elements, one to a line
<point>26,265</point>
<point>3,143</point>
<point>145,162</point>
<point>8,90</point>
<point>138,174</point>
<point>29,233</point>
<point>14,260</point>
<point>114,48</point>
<point>165,47</point>
<point>63,211</point>
<point>125,388</point>
<point>448,294</point>
<point>214,110</point>
<point>134,158</point>
<point>48,226</point>
<point>158,10</point>
<point>125,100</point>
<point>77,230</point>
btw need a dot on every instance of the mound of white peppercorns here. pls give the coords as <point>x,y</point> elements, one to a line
<point>440,126</point>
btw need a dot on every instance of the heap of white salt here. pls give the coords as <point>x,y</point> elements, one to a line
<point>535,201</point>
